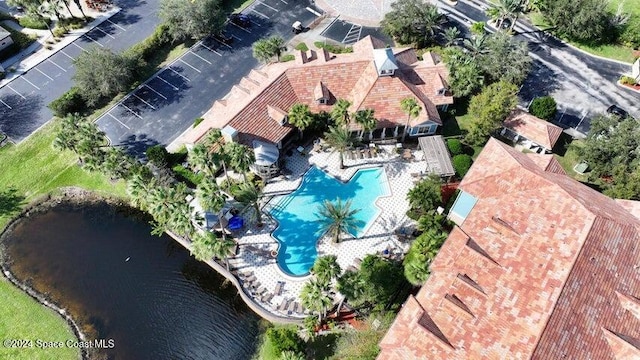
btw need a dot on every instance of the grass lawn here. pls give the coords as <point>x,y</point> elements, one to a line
<point>24,318</point>
<point>457,125</point>
<point>570,159</point>
<point>235,6</point>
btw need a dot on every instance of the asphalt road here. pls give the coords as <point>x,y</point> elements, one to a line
<point>23,102</point>
<point>582,85</point>
<point>167,104</point>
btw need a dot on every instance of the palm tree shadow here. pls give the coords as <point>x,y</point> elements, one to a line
<point>10,201</point>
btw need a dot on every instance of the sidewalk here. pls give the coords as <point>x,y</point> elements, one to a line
<point>38,52</point>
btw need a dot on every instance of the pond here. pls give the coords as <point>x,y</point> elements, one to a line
<point>120,282</point>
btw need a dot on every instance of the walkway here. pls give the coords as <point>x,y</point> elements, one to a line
<point>362,12</point>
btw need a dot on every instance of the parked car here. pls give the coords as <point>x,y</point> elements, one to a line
<point>240,20</point>
<point>223,38</point>
<point>618,111</point>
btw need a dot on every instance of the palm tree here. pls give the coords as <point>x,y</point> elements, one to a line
<point>116,163</point>
<point>337,218</point>
<point>340,112</point>
<point>300,116</point>
<point>433,21</point>
<point>200,157</point>
<point>277,44</point>
<point>51,8</point>
<point>290,355</point>
<point>223,248</point>
<point>410,107</point>
<point>249,195</point>
<point>339,138</point>
<point>240,157</point>
<point>315,298</point>
<point>138,188</point>
<point>477,45</point>
<point>203,246</point>
<point>80,7</point>
<point>366,120</point>
<point>501,10</point>
<point>451,36</point>
<point>416,268</point>
<point>265,49</point>
<point>211,198</point>
<point>326,268</point>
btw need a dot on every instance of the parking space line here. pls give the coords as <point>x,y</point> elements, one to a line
<point>270,7</point>
<point>90,38</point>
<point>5,104</point>
<point>313,12</point>
<point>67,55</point>
<point>118,120</point>
<point>285,2</point>
<point>40,71</point>
<point>203,59</point>
<point>210,49</point>
<point>166,82</point>
<point>227,45</point>
<point>235,37</point>
<point>74,43</point>
<point>114,24</point>
<point>259,13</point>
<point>133,112</point>
<point>32,84</point>
<point>152,89</point>
<point>141,99</point>
<point>104,32</point>
<point>59,67</point>
<point>189,65</point>
<point>14,90</point>
<point>255,23</point>
<point>177,73</point>
<point>240,27</point>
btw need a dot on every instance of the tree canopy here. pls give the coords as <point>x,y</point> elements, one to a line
<point>422,251</point>
<point>101,73</point>
<point>505,59</point>
<point>412,22</point>
<point>488,109</point>
<point>187,19</point>
<point>579,20</point>
<point>424,197</point>
<point>266,49</point>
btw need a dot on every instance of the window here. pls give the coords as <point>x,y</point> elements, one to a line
<point>386,72</point>
<point>441,91</point>
<point>423,129</point>
<point>322,101</point>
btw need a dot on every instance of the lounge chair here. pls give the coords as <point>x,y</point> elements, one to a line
<point>360,155</point>
<point>291,307</point>
<point>256,284</point>
<point>279,288</point>
<point>245,274</point>
<point>357,262</point>
<point>261,290</point>
<point>266,297</point>
<point>251,278</point>
<point>367,153</point>
<point>374,151</point>
<point>283,304</point>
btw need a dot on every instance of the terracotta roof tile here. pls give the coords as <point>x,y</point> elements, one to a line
<point>537,262</point>
<point>535,129</point>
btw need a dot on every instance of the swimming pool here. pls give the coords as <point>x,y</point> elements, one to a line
<point>299,229</point>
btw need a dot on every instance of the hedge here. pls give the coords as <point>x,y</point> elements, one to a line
<point>543,107</point>
<point>462,163</point>
<point>158,155</point>
<point>34,23</point>
<point>70,102</point>
<point>455,146</point>
<point>335,49</point>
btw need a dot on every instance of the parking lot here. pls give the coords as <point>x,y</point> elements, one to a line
<point>168,103</point>
<point>23,101</point>
<point>348,33</point>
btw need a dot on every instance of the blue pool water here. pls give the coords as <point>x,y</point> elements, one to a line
<point>296,213</point>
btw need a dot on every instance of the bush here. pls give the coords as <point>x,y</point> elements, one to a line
<point>197,121</point>
<point>462,163</point>
<point>478,28</point>
<point>70,102</point>
<point>59,32</point>
<point>336,49</point>
<point>287,57</point>
<point>187,176</point>
<point>73,23</point>
<point>455,146</point>
<point>285,339</point>
<point>34,23</point>
<point>627,80</point>
<point>543,107</point>
<point>302,47</point>
<point>158,155</point>
<point>630,35</point>
<point>144,50</point>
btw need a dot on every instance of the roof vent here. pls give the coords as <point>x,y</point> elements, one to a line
<point>469,281</point>
<point>427,323</point>
<point>457,302</point>
<point>475,247</point>
<point>277,114</point>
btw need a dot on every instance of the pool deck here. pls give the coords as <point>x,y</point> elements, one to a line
<point>256,244</point>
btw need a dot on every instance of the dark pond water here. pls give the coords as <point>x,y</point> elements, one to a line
<point>161,304</point>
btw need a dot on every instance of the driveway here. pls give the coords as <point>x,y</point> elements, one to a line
<point>23,102</point>
<point>169,102</point>
<point>582,85</point>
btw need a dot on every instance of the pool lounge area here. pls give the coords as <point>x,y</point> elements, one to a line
<point>260,257</point>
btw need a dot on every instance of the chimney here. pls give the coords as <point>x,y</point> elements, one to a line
<point>229,134</point>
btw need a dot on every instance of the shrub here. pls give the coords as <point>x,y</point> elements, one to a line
<point>336,49</point>
<point>630,35</point>
<point>70,102</point>
<point>187,176</point>
<point>543,107</point>
<point>197,121</point>
<point>462,163</point>
<point>73,23</point>
<point>285,339</point>
<point>34,23</point>
<point>455,146</point>
<point>59,32</point>
<point>158,155</point>
<point>302,47</point>
<point>144,50</point>
<point>627,80</point>
<point>478,28</point>
<point>287,57</point>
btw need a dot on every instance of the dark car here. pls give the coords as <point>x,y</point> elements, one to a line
<point>618,111</point>
<point>223,38</point>
<point>240,20</point>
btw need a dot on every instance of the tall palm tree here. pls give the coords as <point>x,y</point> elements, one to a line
<point>200,157</point>
<point>211,198</point>
<point>477,45</point>
<point>432,22</point>
<point>249,195</point>
<point>410,107</point>
<point>300,116</point>
<point>222,249</point>
<point>116,163</point>
<point>315,297</point>
<point>138,189</point>
<point>203,246</point>
<point>326,268</point>
<point>337,218</point>
<point>500,10</point>
<point>451,36</point>
<point>340,112</point>
<point>240,158</point>
<point>277,44</point>
<point>339,138</point>
<point>366,119</point>
<point>79,5</point>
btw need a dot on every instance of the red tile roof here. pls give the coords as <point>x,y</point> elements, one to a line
<point>352,76</point>
<point>534,271</point>
<point>535,129</point>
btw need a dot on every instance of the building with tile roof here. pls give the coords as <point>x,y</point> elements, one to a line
<point>372,77</point>
<point>539,266</point>
<point>522,126</point>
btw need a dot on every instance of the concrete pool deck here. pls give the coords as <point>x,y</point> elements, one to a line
<point>256,245</point>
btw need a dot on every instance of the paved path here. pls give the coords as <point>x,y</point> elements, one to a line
<point>24,100</point>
